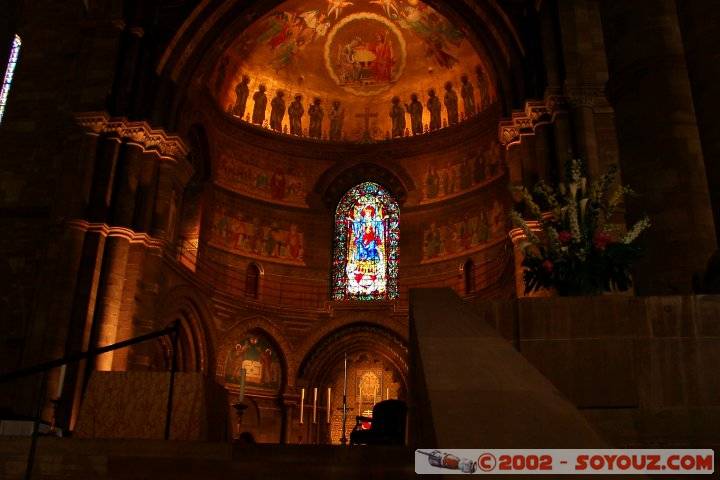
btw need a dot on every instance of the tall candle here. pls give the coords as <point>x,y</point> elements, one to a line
<point>61,383</point>
<point>328,406</point>
<point>315,405</point>
<point>302,404</point>
<point>345,378</point>
<point>242,385</point>
<point>387,393</point>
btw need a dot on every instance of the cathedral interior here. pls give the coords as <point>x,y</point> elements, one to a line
<point>310,201</point>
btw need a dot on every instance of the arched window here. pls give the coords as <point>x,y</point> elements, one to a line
<point>367,235</point>
<point>9,71</point>
<point>252,281</point>
<point>469,271</point>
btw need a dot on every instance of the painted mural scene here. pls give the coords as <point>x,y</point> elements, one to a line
<point>255,236</point>
<point>353,71</point>
<point>465,234</point>
<point>284,184</point>
<point>449,178</point>
<point>252,362</point>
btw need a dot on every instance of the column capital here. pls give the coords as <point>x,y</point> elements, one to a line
<point>534,114</point>
<point>167,146</point>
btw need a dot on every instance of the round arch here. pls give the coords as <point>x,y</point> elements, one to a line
<point>353,337</point>
<point>269,330</point>
<point>185,305</point>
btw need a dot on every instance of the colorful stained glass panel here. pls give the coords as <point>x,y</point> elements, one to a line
<point>367,237</point>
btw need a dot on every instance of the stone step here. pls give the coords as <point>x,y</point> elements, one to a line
<point>69,459</point>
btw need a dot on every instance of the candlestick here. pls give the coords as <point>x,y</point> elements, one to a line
<point>328,405</point>
<point>315,405</point>
<point>242,385</point>
<point>343,439</point>
<point>302,404</point>
<point>387,393</point>
<point>61,382</point>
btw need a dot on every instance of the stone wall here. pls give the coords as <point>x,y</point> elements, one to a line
<point>641,369</point>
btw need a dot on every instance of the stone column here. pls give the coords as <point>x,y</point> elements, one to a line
<point>583,119</point>
<point>289,403</point>
<point>700,24</point>
<point>545,153</point>
<point>552,54</point>
<point>562,136</point>
<point>130,162</point>
<point>173,176</point>
<point>660,151</point>
<point>145,308</point>
<point>82,312</point>
<point>108,149</point>
<point>110,296</point>
<point>147,186</point>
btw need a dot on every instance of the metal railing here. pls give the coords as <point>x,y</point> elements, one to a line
<point>172,331</point>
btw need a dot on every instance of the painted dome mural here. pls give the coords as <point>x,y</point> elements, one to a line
<point>330,69</point>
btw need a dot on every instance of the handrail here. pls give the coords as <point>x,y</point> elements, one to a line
<point>94,352</point>
<point>173,330</point>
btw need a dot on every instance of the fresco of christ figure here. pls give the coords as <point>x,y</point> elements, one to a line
<point>383,50</point>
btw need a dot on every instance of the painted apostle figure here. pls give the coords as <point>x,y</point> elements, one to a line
<point>337,115</point>
<point>434,106</point>
<point>451,104</point>
<point>296,111</point>
<point>468,95</point>
<point>397,114</point>
<point>242,92</point>
<point>415,109</point>
<point>277,111</point>
<point>316,114</point>
<point>260,100</point>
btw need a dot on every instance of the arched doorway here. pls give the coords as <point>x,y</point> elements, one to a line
<point>376,370</point>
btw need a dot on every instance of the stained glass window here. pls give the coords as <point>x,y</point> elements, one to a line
<point>367,235</point>
<point>7,79</point>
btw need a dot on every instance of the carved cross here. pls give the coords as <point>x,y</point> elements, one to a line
<point>367,116</point>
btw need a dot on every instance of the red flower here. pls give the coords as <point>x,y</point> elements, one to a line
<point>548,266</point>
<point>601,240</point>
<point>564,237</point>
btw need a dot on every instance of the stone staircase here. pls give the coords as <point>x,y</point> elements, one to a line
<point>69,459</point>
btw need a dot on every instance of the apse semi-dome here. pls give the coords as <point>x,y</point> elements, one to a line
<point>348,60</point>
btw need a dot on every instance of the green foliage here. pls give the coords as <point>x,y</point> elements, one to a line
<point>577,250</point>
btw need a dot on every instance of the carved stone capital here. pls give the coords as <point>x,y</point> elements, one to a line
<point>170,147</point>
<point>535,113</point>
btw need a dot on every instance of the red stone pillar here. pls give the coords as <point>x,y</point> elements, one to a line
<point>700,27</point>
<point>660,152</point>
<point>108,149</point>
<point>562,137</point>
<point>130,163</point>
<point>110,295</point>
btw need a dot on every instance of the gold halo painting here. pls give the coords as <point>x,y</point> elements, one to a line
<point>359,53</point>
<point>365,53</point>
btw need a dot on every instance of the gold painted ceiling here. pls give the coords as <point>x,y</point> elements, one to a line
<point>354,56</point>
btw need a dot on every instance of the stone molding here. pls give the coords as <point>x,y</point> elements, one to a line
<point>535,114</point>
<point>122,232</point>
<point>543,112</point>
<point>169,147</point>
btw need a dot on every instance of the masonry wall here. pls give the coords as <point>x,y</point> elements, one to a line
<point>641,369</point>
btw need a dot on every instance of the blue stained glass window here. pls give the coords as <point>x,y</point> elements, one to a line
<point>9,71</point>
<point>367,236</point>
